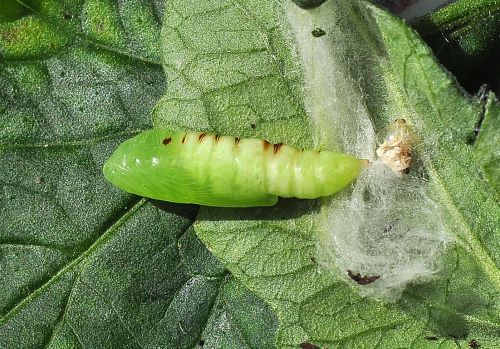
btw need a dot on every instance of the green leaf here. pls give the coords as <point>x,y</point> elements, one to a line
<point>465,37</point>
<point>486,144</point>
<point>218,63</point>
<point>230,60</point>
<point>473,206</point>
<point>83,264</point>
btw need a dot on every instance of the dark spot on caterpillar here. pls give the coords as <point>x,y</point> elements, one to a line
<point>201,136</point>
<point>167,140</point>
<point>265,144</point>
<point>474,344</point>
<point>362,280</point>
<point>184,138</point>
<point>277,147</point>
<point>201,342</point>
<point>306,345</point>
<point>236,140</point>
<point>217,137</point>
<point>431,338</point>
<point>253,126</point>
<point>67,16</point>
<point>313,260</point>
<point>317,32</point>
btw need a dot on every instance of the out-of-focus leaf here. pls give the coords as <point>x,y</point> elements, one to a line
<point>465,36</point>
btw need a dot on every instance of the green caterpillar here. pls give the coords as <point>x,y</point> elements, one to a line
<point>214,170</point>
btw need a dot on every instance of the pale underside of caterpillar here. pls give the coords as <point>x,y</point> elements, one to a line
<point>213,170</point>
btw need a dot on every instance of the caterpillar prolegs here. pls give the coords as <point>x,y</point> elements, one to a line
<point>213,170</point>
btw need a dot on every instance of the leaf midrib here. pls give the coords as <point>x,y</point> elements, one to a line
<point>473,245</point>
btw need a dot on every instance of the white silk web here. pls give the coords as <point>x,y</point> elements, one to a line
<point>389,228</point>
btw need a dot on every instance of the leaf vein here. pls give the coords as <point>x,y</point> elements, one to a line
<point>71,265</point>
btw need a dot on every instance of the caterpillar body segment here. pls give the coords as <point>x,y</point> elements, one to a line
<point>214,170</point>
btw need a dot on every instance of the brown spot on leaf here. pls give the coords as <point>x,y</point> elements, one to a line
<point>184,138</point>
<point>362,280</point>
<point>307,345</point>
<point>201,136</point>
<point>277,147</point>
<point>167,140</point>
